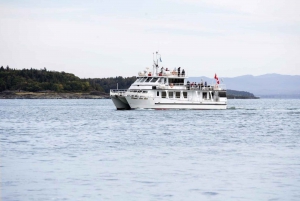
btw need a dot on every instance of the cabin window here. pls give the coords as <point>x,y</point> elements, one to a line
<point>163,94</point>
<point>204,95</point>
<point>222,94</point>
<point>157,93</point>
<point>170,94</point>
<point>148,79</point>
<point>177,94</point>
<point>185,94</point>
<point>176,81</point>
<point>143,79</point>
<point>145,92</point>
<point>154,79</point>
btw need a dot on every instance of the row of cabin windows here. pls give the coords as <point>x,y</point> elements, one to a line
<point>160,80</point>
<point>171,94</point>
<point>205,95</point>
<point>151,79</point>
<point>177,94</point>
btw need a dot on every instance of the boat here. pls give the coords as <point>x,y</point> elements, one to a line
<point>163,88</point>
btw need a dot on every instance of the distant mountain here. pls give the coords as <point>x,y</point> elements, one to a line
<point>268,85</point>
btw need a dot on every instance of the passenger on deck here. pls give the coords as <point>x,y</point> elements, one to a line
<point>205,84</point>
<point>178,71</point>
<point>183,73</point>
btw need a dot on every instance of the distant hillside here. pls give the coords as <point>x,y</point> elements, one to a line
<point>34,80</point>
<point>233,94</point>
<point>269,85</point>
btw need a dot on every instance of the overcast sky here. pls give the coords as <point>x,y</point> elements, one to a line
<point>105,38</point>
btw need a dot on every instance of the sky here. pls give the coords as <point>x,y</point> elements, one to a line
<point>108,38</point>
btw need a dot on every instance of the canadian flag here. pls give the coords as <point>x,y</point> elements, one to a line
<point>217,79</point>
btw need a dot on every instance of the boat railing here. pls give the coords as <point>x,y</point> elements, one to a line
<point>118,92</point>
<point>207,88</point>
<point>166,74</point>
<point>176,84</point>
<point>172,74</point>
<point>197,86</point>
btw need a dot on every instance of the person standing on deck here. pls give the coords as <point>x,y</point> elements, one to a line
<point>178,71</point>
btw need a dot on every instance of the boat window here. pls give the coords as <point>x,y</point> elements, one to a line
<point>145,92</point>
<point>177,94</point>
<point>204,95</point>
<point>163,94</point>
<point>170,94</point>
<point>222,94</point>
<point>142,79</point>
<point>157,93</point>
<point>148,79</point>
<point>185,94</point>
<point>176,81</point>
<point>154,79</point>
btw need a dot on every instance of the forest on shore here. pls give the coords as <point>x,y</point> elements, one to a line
<point>43,80</point>
<point>34,80</point>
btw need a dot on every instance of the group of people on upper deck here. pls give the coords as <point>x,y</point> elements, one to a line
<point>180,73</point>
<point>195,85</point>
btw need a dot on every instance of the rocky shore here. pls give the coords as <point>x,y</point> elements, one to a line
<point>52,95</point>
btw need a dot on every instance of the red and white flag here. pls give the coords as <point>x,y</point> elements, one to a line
<point>217,79</point>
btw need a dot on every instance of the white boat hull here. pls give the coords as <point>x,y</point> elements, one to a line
<point>120,102</point>
<point>154,103</point>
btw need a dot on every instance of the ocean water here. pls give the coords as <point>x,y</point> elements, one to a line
<point>87,150</point>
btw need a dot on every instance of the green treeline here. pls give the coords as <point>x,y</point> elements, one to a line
<point>34,80</point>
<point>231,94</point>
<point>111,82</point>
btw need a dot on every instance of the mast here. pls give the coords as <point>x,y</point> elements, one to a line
<point>153,65</point>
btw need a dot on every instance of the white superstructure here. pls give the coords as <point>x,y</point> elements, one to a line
<point>169,89</point>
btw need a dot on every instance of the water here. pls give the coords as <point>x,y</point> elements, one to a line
<point>86,150</point>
